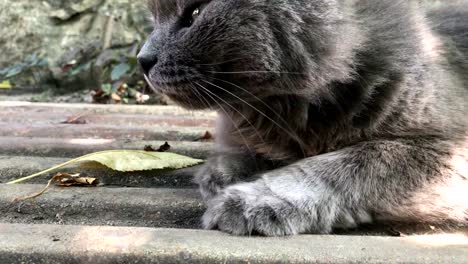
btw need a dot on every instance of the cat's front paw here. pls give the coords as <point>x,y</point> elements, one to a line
<point>223,170</point>
<point>211,179</point>
<point>252,208</point>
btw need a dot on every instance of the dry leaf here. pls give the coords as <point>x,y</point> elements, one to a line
<point>163,148</point>
<point>206,137</point>
<point>149,148</point>
<point>76,120</point>
<point>64,180</point>
<point>68,180</point>
<point>116,97</point>
<point>128,160</point>
<point>5,85</point>
<point>135,160</point>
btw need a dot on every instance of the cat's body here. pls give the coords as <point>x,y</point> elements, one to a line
<point>332,113</point>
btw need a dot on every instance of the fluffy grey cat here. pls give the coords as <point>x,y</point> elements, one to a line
<point>332,113</point>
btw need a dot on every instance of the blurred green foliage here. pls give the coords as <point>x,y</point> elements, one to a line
<point>65,48</point>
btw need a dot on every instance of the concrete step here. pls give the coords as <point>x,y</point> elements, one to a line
<point>103,244</point>
<point>179,208</point>
<point>75,147</point>
<point>145,207</point>
<point>102,131</point>
<point>73,109</point>
<point>58,227</point>
<point>12,115</point>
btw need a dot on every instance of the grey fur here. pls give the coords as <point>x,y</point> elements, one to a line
<point>332,113</point>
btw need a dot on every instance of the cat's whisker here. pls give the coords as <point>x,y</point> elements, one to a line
<point>190,110</point>
<point>208,92</point>
<point>287,131</point>
<point>219,63</point>
<point>246,72</point>
<point>199,96</point>
<point>233,108</point>
<point>259,100</point>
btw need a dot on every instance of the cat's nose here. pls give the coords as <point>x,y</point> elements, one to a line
<point>147,61</point>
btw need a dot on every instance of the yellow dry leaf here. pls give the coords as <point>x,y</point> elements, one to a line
<point>136,160</point>
<point>5,85</point>
<point>128,160</point>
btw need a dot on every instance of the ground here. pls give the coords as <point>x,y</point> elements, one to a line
<point>125,218</point>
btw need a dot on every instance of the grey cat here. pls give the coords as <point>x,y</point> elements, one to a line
<point>331,113</point>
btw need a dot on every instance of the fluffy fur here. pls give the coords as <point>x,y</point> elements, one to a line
<point>331,113</point>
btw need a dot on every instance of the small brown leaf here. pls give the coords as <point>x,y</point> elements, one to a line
<point>76,120</point>
<point>75,180</point>
<point>149,148</point>
<point>100,97</point>
<point>64,180</point>
<point>208,136</point>
<point>116,97</point>
<point>164,148</point>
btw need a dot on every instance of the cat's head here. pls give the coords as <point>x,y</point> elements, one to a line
<point>208,52</point>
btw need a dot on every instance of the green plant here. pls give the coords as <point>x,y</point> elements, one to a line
<point>32,65</point>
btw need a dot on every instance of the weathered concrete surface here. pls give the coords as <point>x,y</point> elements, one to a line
<point>35,129</point>
<point>96,108</point>
<point>102,131</point>
<point>74,147</point>
<point>102,206</point>
<point>15,167</point>
<point>32,113</point>
<point>90,118</point>
<point>84,244</point>
<point>173,203</point>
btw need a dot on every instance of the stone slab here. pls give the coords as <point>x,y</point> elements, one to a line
<point>75,147</point>
<point>178,208</point>
<point>97,244</point>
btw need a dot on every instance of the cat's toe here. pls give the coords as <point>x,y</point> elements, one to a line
<point>210,181</point>
<point>247,209</point>
<point>226,213</point>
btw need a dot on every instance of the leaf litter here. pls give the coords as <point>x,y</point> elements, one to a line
<point>163,148</point>
<point>63,180</point>
<point>77,120</point>
<point>206,137</point>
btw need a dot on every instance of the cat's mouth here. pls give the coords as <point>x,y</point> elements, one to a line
<point>187,93</point>
<point>202,91</point>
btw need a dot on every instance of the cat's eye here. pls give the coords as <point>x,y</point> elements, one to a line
<point>191,15</point>
<point>195,13</point>
<point>194,16</point>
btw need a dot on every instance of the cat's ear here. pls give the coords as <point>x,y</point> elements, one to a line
<point>153,5</point>
<point>154,9</point>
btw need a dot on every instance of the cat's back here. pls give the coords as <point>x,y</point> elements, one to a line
<point>450,23</point>
<point>434,90</point>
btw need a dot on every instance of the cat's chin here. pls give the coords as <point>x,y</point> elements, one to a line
<point>180,95</point>
<point>187,102</point>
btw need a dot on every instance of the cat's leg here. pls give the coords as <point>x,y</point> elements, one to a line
<point>407,179</point>
<point>224,169</point>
